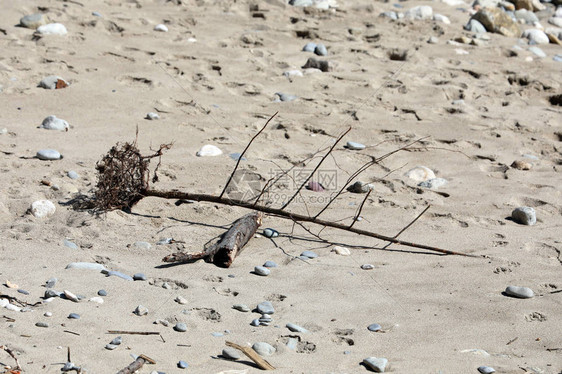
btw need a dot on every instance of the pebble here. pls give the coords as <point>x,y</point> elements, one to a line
<point>529,17</point>
<point>524,215</point>
<point>231,353</point>
<point>292,343</point>
<point>433,183</point>
<point>180,327</point>
<point>265,318</point>
<point>270,233</point>
<point>110,347</point>
<point>309,254</point>
<point>374,327</point>
<point>161,27</point>
<point>296,328</point>
<point>420,174</point>
<point>166,286</point>
<point>180,300</point>
<point>33,21</point>
<point>270,264</point>
<point>255,322</point>
<point>265,307</point>
<point>360,187</point>
<point>293,73</point>
<point>162,322</point>
<point>284,97</point>
<point>419,12</point>
<point>536,36</point>
<point>321,65</point>
<point>139,277</point>
<point>182,365</point>
<point>309,47</point>
<point>520,292</point>
<point>389,14</point>
<point>52,293</point>
<point>102,292</point>
<point>96,299</point>
<point>321,50</point>
<point>367,266</point>
<point>70,296</point>
<point>50,283</point>
<point>537,52</point>
<point>119,274</point>
<point>342,251</point>
<point>521,165</point>
<point>557,58</point>
<point>377,365</point>
<point>164,241</point>
<point>72,174</point>
<point>496,20</point>
<point>141,310</point>
<point>262,270</point>
<point>142,245</point>
<point>74,316</point>
<point>22,291</point>
<point>96,14</point>
<point>236,156</point>
<point>152,116</point>
<point>241,308</point>
<point>263,349</point>
<point>85,265</point>
<point>217,334</point>
<point>486,370</point>
<point>69,244</point>
<point>48,314</point>
<point>208,150</point>
<point>51,82</point>
<point>354,146</point>
<point>556,21</point>
<point>433,40</point>
<point>442,18</point>
<point>475,27</point>
<point>42,324</point>
<point>48,154</point>
<point>52,29</point>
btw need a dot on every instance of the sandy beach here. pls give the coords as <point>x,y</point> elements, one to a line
<point>484,108</point>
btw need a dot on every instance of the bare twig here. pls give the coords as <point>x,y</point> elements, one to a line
<point>409,224</point>
<point>244,152</point>
<point>360,208</point>
<point>11,353</point>
<point>136,365</point>
<point>252,355</point>
<point>133,332</point>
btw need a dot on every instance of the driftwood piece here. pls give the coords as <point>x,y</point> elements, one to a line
<point>252,355</point>
<point>230,244</point>
<point>18,368</point>
<point>136,365</point>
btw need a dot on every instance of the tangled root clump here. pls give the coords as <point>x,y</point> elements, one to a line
<point>123,176</point>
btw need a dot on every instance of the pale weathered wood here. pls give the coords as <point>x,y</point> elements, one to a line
<point>252,355</point>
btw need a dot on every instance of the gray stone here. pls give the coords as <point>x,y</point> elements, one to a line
<point>50,283</point>
<point>537,52</point>
<point>270,264</point>
<point>72,174</point>
<point>152,116</point>
<point>48,314</point>
<point>433,40</point>
<point>241,308</point>
<point>110,347</point>
<point>367,267</point>
<point>96,14</point>
<point>180,300</point>
<point>263,349</point>
<point>69,244</point>
<point>284,97</point>
<point>433,183</point>
<point>141,310</point>
<point>255,322</point>
<point>217,334</point>
<point>74,316</point>
<point>265,307</point>
<point>52,293</point>
<point>309,254</point>
<point>321,50</point>
<point>321,65</point>
<point>374,327</point>
<point>180,327</point>
<point>183,364</point>
<point>378,365</point>
<point>536,36</point>
<point>498,21</point>
<point>556,21</point>
<point>527,16</point>
<point>164,241</point>
<point>520,292</point>
<point>265,318</point>
<point>42,324</point>
<point>48,154</point>
<point>292,343</point>
<point>119,275</point>
<point>261,270</point>
<point>33,21</point>
<point>117,341</point>
<point>475,27</point>
<point>360,187</point>
<point>139,277</point>
<point>309,47</point>
<point>231,353</point>
<point>419,12</point>
<point>85,265</point>
<point>142,245</point>
<point>389,14</point>
<point>355,146</point>
<point>270,233</point>
<point>486,370</point>
<point>524,215</point>
<point>102,292</point>
<point>50,82</point>
<point>296,328</point>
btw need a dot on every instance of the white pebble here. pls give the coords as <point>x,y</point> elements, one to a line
<point>367,266</point>
<point>48,155</point>
<point>420,173</point>
<point>441,18</point>
<point>161,27</point>
<point>97,299</point>
<point>293,73</point>
<point>52,29</point>
<point>208,150</point>
<point>342,251</point>
<point>520,292</point>
<point>152,116</point>
<point>54,123</point>
<point>42,208</point>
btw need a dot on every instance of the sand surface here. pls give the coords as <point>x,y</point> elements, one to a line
<point>212,78</point>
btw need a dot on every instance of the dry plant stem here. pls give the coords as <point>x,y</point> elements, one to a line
<point>133,332</point>
<point>316,168</point>
<point>11,353</point>
<point>174,194</point>
<point>252,355</point>
<point>244,152</point>
<point>228,247</point>
<point>360,209</point>
<point>136,365</point>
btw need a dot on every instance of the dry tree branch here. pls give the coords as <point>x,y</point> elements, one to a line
<point>11,353</point>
